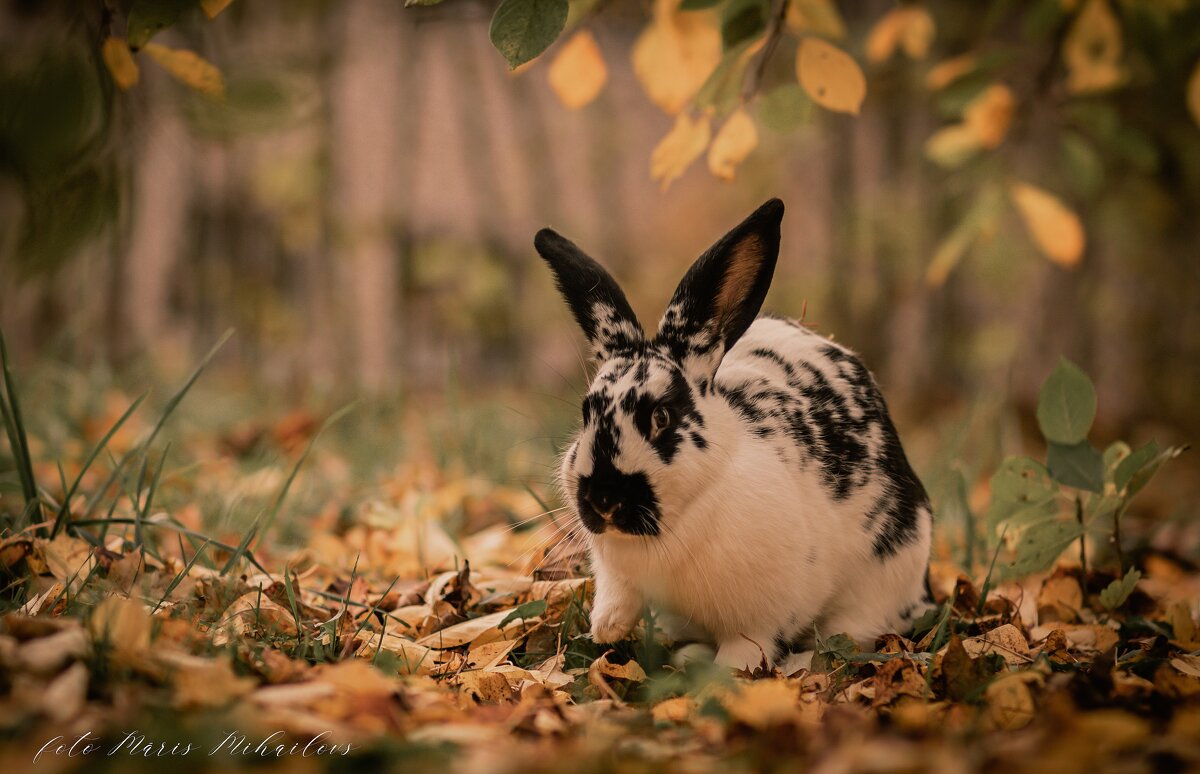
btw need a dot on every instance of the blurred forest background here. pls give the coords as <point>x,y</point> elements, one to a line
<point>360,201</point>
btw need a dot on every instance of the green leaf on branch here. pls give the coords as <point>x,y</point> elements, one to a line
<point>1040,546</point>
<point>1115,594</point>
<point>784,108</point>
<point>723,89</point>
<point>743,20</point>
<point>1136,470</point>
<point>1066,404</point>
<point>147,18</point>
<point>522,29</point>
<point>1077,465</point>
<point>1022,492</point>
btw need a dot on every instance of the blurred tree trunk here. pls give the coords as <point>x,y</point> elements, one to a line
<point>366,108</point>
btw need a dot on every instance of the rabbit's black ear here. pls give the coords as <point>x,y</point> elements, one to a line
<point>597,302</point>
<point>722,293</point>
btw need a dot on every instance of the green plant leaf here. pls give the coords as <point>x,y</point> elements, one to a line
<point>1040,546</point>
<point>723,88</point>
<point>522,29</point>
<point>1066,404</point>
<point>742,20</point>
<point>1115,594</point>
<point>531,609</point>
<point>147,18</point>
<point>1077,465</point>
<point>1022,492</point>
<point>784,108</point>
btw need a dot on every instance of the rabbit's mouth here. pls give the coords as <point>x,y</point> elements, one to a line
<point>625,502</point>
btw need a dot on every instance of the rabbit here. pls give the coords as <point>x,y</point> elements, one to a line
<point>739,473</point>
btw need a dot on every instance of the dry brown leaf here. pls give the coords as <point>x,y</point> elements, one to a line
<point>414,659</point>
<point>214,7</point>
<point>820,17</point>
<point>65,696</point>
<point>123,627</point>
<point>682,145</point>
<point>830,76</point>
<point>677,710</point>
<point>1183,626</point>
<point>253,612</point>
<point>675,54</point>
<point>1009,700</point>
<point>1055,228</point>
<point>1060,599</point>
<point>120,63</point>
<point>1189,665</point>
<point>479,631</point>
<point>202,682</point>
<point>189,68</point>
<point>47,655</point>
<point>736,138</point>
<point>578,73</point>
<point>763,704</point>
<point>68,559</point>
<point>990,114</point>
<point>1092,50</point>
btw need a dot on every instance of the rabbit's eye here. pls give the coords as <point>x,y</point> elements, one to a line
<point>661,419</point>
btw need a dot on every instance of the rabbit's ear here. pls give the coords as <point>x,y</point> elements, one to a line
<point>722,293</point>
<point>597,302</point>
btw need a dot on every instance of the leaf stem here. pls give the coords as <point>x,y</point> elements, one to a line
<point>1082,542</point>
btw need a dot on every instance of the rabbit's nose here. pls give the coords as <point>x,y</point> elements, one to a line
<point>604,505</point>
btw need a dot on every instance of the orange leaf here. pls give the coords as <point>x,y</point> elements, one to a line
<point>675,54</point>
<point>1055,228</point>
<point>578,72</point>
<point>189,68</point>
<point>830,76</point>
<point>120,63</point>
<point>682,145</point>
<point>733,143</point>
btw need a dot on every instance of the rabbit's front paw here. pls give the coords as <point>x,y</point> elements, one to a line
<point>613,623</point>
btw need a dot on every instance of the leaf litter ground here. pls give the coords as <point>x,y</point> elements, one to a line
<point>420,623</point>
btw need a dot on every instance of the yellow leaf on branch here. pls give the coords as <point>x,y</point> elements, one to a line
<point>189,68</point>
<point>735,140</point>
<point>1092,50</point>
<point>948,71</point>
<point>909,28</point>
<point>830,76</point>
<point>682,145</point>
<point>120,63</point>
<point>990,114</point>
<point>1055,228</point>
<point>675,54</point>
<point>578,72</point>
<point>1193,94</point>
<point>213,7</point>
<point>820,17</point>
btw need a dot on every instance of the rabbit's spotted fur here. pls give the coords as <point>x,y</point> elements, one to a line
<point>742,475</point>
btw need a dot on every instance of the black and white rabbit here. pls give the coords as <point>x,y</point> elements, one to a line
<point>739,473</point>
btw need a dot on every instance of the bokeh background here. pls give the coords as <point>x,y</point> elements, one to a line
<point>360,209</point>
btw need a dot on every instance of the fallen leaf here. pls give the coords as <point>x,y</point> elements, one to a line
<point>677,710</point>
<point>120,63</point>
<point>202,682</point>
<point>578,73</point>
<point>48,655</point>
<point>1010,702</point>
<point>66,694</point>
<point>735,140</point>
<point>485,687</point>
<point>830,76</point>
<point>122,628</point>
<point>682,145</point>
<point>1055,228</point>
<point>189,68</point>
<point>479,631</point>
<point>1060,599</point>
<point>763,704</point>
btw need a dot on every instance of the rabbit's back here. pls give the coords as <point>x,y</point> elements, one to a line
<point>813,403</point>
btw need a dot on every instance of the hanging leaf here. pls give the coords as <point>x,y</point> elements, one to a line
<point>1092,50</point>
<point>120,63</point>
<point>213,7</point>
<point>675,54</point>
<point>1066,404</point>
<point>784,108</point>
<point>1055,228</point>
<point>578,72</point>
<point>949,70</point>
<point>189,68</point>
<point>819,17</point>
<point>733,143</point>
<point>909,28</point>
<point>147,18</point>
<point>990,114</point>
<point>1077,465</point>
<point>722,92</point>
<point>830,76</point>
<point>523,29</point>
<point>682,145</point>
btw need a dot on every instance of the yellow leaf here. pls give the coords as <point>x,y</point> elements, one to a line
<point>1193,94</point>
<point>214,7</point>
<point>733,143</point>
<point>682,145</point>
<point>908,27</point>
<point>578,72</point>
<point>830,76</point>
<point>189,68</point>
<point>948,71</point>
<point>1092,50</point>
<point>764,704</point>
<point>675,54</point>
<point>1055,228</point>
<point>123,625</point>
<point>990,114</point>
<point>120,63</point>
<point>950,146</point>
<point>820,17</point>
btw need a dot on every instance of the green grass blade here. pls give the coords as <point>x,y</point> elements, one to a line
<point>64,509</point>
<point>242,548</point>
<point>14,425</point>
<point>175,528</point>
<point>182,574</point>
<point>183,391</point>
<point>287,485</point>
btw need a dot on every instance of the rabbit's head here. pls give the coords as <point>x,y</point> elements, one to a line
<point>647,446</point>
